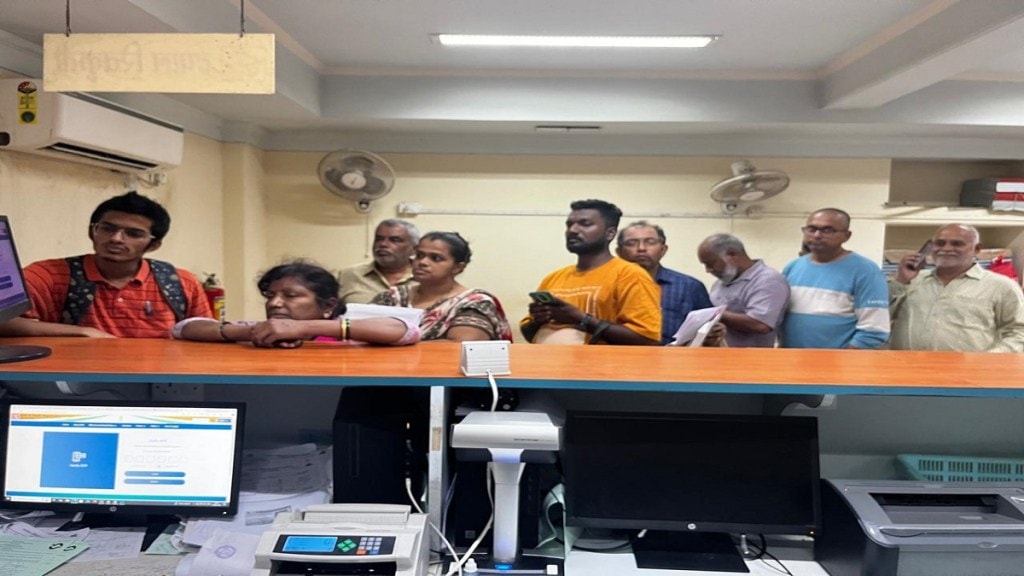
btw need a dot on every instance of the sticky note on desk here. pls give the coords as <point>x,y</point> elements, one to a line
<point>28,556</point>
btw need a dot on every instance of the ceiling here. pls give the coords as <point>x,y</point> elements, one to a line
<point>866,78</point>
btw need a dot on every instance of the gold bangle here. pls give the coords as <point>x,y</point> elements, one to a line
<point>344,330</point>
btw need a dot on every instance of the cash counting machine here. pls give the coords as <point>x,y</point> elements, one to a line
<point>911,528</point>
<point>353,539</point>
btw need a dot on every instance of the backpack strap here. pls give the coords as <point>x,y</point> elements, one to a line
<point>82,292</point>
<point>169,282</point>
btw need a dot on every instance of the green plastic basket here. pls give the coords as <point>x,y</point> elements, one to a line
<point>941,468</point>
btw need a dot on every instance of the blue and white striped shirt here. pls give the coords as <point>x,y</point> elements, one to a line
<point>839,304</point>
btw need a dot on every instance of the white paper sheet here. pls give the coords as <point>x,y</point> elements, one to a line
<point>359,311</point>
<point>693,322</point>
<point>226,554</point>
<point>254,516</point>
<point>287,470</point>
<point>112,544</point>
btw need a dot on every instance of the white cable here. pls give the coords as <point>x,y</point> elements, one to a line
<point>494,391</point>
<point>487,527</point>
<point>451,549</point>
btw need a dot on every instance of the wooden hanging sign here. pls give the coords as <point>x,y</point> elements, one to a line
<point>173,63</point>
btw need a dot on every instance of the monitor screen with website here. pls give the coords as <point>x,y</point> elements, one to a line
<point>691,480</point>
<point>132,458</point>
<point>14,299</point>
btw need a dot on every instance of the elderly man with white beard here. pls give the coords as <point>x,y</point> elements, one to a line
<point>755,296</point>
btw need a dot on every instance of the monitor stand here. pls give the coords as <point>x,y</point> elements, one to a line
<point>702,551</point>
<point>19,353</point>
<point>153,523</point>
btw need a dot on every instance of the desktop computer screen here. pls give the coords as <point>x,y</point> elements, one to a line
<point>692,479</point>
<point>132,458</point>
<point>14,299</point>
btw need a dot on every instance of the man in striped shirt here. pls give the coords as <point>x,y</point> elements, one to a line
<point>838,298</point>
<point>122,296</point>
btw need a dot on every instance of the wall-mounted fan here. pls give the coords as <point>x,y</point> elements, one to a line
<point>361,177</point>
<point>748,185</point>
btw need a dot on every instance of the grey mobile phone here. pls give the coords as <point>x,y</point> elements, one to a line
<point>925,250</point>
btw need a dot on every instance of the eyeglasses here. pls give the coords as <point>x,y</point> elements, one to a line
<point>634,242</point>
<point>107,229</point>
<point>826,231</point>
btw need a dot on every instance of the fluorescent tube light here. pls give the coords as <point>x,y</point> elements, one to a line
<point>564,128</point>
<point>578,41</point>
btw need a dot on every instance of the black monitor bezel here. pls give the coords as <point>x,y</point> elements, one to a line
<point>19,308</point>
<point>571,474</point>
<point>132,509</point>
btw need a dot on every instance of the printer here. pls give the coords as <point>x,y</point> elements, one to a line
<point>352,539</point>
<point>911,528</point>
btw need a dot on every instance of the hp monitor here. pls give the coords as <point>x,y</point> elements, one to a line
<point>14,299</point>
<point>129,458</point>
<point>691,481</point>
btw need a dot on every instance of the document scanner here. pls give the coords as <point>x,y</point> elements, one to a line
<point>912,528</point>
<point>351,539</point>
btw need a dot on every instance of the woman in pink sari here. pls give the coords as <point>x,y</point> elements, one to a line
<point>451,311</point>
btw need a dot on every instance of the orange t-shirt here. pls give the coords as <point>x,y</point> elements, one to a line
<point>617,291</point>
<point>136,311</point>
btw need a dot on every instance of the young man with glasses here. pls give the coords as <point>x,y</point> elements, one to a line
<point>644,244</point>
<point>838,298</point>
<point>114,292</point>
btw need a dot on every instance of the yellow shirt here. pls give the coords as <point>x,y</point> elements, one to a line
<point>617,291</point>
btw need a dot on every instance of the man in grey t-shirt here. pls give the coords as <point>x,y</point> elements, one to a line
<point>754,295</point>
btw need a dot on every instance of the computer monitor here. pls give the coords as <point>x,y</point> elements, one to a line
<point>691,480</point>
<point>14,299</point>
<point>118,457</point>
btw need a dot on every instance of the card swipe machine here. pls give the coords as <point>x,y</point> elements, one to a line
<point>351,539</point>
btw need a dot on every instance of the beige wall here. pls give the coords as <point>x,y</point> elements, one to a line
<point>238,210</point>
<point>512,209</point>
<point>49,202</point>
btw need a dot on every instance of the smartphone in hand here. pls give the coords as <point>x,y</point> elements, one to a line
<point>925,250</point>
<point>544,297</point>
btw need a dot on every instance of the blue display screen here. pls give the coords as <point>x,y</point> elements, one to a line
<point>309,544</point>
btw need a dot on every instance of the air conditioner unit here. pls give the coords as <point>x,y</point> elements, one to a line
<point>82,128</point>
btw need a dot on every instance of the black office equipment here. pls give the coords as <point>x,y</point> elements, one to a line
<point>691,480</point>
<point>14,300</point>
<point>380,439</point>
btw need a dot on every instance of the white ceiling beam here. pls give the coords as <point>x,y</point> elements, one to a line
<point>964,36</point>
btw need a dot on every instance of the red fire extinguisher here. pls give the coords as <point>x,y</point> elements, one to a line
<point>214,295</point>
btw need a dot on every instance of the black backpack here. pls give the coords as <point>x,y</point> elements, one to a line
<point>81,291</point>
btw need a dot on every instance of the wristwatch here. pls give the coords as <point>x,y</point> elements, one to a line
<point>584,323</point>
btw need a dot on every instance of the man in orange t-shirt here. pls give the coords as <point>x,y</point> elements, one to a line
<point>600,299</point>
<point>124,298</point>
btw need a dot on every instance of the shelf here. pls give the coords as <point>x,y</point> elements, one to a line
<point>920,182</point>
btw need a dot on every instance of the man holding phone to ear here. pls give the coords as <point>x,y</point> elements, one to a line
<point>601,299</point>
<point>958,305</point>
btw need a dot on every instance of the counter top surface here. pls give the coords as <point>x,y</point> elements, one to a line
<point>582,367</point>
